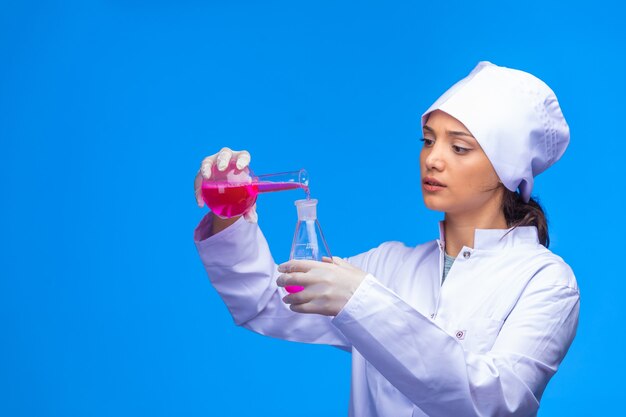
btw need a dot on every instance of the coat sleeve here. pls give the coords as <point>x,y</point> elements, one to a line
<point>240,267</point>
<point>431,368</point>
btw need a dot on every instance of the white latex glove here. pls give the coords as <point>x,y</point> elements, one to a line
<point>222,159</point>
<point>328,285</point>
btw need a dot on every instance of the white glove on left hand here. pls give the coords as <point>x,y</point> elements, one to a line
<point>328,285</point>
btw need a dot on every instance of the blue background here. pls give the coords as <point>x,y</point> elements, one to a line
<point>108,107</point>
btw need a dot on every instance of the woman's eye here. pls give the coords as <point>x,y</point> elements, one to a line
<point>460,150</point>
<point>427,142</point>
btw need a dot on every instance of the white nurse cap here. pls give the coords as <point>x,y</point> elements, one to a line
<point>514,116</point>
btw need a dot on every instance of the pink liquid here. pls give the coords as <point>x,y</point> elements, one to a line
<point>230,200</point>
<point>293,288</point>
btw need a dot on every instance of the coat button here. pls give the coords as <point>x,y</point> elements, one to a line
<point>467,254</point>
<point>460,334</point>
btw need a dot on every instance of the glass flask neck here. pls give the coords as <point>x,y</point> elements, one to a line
<point>307,209</point>
<point>282,181</point>
<point>308,240</point>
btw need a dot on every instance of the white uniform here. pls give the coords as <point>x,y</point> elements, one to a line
<point>485,343</point>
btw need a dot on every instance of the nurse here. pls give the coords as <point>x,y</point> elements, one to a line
<point>474,323</point>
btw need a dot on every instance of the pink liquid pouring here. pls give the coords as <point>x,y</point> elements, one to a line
<point>230,200</point>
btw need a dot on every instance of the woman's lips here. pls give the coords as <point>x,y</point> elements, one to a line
<point>429,187</point>
<point>431,184</point>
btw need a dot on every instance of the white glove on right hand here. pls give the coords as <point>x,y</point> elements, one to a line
<point>222,159</point>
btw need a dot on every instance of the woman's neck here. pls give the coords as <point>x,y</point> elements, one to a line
<point>459,228</point>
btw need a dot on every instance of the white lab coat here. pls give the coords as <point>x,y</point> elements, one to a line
<point>485,343</point>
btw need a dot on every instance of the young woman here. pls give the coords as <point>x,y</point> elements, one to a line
<point>472,324</point>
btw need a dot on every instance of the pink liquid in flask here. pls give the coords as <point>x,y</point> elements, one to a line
<point>231,199</point>
<point>293,288</point>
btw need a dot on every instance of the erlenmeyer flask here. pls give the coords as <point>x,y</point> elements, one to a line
<point>231,192</point>
<point>308,240</point>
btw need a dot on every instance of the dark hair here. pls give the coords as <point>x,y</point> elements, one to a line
<point>519,213</point>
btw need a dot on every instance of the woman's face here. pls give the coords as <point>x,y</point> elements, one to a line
<point>457,176</point>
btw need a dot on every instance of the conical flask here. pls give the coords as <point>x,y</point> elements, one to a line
<point>308,240</point>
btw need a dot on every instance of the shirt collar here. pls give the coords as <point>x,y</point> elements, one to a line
<point>492,239</point>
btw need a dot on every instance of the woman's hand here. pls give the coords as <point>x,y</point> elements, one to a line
<point>328,285</point>
<point>222,160</point>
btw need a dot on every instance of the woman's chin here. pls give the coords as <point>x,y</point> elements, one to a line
<point>435,204</point>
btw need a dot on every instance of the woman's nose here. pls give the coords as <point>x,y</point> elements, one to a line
<point>434,158</point>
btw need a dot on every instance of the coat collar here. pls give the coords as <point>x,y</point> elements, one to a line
<point>494,239</point>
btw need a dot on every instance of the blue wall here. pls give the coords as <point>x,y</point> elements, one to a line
<point>108,107</point>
